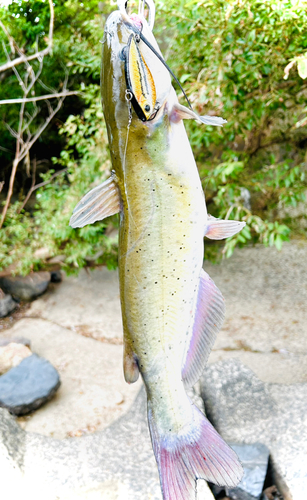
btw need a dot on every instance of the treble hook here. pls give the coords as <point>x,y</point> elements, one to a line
<point>122,5</point>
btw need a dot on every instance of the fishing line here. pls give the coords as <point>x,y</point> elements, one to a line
<point>139,35</point>
<point>128,97</point>
<point>142,37</point>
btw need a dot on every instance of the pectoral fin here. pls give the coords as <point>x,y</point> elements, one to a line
<point>180,112</point>
<point>208,319</point>
<point>99,203</point>
<point>218,229</point>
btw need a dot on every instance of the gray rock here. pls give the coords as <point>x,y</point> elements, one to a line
<point>114,464</point>
<point>7,305</point>
<point>243,409</point>
<point>25,287</point>
<point>29,385</point>
<point>93,392</point>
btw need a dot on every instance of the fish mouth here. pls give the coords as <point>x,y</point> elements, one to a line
<point>133,48</point>
<point>141,87</point>
<point>139,75</point>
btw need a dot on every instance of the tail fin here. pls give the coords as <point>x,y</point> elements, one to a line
<point>197,452</point>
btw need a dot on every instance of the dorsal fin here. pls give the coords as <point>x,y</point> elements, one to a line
<point>208,319</point>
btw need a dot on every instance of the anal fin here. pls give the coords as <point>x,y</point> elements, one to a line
<point>208,319</point>
<point>97,204</point>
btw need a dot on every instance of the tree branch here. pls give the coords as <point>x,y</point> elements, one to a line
<point>23,58</point>
<point>37,186</point>
<point>40,98</point>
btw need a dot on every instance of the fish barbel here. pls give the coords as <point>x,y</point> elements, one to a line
<point>171,309</point>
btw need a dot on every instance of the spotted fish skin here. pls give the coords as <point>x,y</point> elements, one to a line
<point>171,308</point>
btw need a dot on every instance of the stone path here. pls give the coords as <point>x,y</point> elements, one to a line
<point>76,325</point>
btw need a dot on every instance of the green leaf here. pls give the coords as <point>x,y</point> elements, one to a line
<point>302,67</point>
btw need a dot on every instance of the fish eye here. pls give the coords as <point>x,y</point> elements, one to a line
<point>147,107</point>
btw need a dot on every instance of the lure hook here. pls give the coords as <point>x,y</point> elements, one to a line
<point>122,5</point>
<point>141,7</point>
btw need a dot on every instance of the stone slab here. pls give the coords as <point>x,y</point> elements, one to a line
<point>114,464</point>
<point>93,392</point>
<point>265,296</point>
<point>246,410</point>
<point>275,367</point>
<point>16,340</point>
<point>11,355</point>
<point>88,304</point>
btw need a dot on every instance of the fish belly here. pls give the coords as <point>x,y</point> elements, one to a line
<point>160,259</point>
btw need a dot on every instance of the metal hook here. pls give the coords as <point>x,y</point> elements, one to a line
<point>122,5</point>
<point>151,13</point>
<point>141,7</point>
<point>129,97</point>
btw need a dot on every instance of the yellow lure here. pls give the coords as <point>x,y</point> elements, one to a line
<point>140,82</point>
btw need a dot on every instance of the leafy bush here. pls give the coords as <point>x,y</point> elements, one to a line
<point>231,59</point>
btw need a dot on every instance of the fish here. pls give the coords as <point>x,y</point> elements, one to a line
<point>171,308</point>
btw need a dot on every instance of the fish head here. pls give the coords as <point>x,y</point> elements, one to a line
<point>131,70</point>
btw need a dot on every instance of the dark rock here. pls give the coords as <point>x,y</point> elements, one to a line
<point>25,287</point>
<point>246,410</point>
<point>15,340</point>
<point>7,305</point>
<point>56,276</point>
<point>254,458</point>
<point>271,493</point>
<point>29,385</point>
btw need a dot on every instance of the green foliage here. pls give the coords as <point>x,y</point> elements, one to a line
<point>230,56</point>
<point>48,226</point>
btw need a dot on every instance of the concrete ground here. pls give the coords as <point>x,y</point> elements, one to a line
<point>77,326</point>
